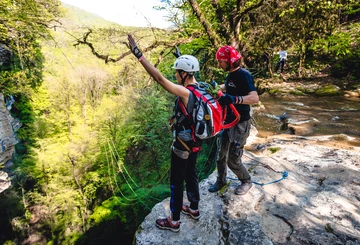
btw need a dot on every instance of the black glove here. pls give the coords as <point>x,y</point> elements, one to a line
<point>226,99</point>
<point>134,48</point>
<point>177,53</point>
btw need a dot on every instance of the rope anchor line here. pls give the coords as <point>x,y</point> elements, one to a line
<point>285,174</point>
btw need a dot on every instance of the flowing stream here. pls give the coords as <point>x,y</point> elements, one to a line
<point>328,115</point>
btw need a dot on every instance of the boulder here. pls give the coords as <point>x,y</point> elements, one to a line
<point>8,126</point>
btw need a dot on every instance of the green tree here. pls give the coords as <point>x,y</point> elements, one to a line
<point>303,22</point>
<point>22,24</point>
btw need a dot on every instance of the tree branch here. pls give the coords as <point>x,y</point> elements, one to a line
<point>255,6</point>
<point>200,16</point>
<point>238,17</point>
<point>106,58</point>
<point>220,16</point>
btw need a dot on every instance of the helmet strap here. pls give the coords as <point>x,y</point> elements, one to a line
<point>183,79</point>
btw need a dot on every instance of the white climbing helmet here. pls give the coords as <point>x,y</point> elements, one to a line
<point>187,63</point>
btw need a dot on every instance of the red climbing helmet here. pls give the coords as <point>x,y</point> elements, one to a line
<point>228,54</point>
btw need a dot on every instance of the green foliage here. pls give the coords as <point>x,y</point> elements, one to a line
<point>22,109</point>
<point>99,133</point>
<point>347,52</point>
<point>206,162</point>
<point>341,51</point>
<point>329,90</point>
<point>152,124</point>
<point>274,149</point>
<point>107,211</point>
<point>117,219</point>
<point>22,25</point>
<point>10,207</point>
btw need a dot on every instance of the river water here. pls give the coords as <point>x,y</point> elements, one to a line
<point>328,115</point>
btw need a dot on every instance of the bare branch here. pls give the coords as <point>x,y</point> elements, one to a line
<point>106,58</point>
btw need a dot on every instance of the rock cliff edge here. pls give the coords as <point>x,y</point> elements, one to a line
<point>318,203</point>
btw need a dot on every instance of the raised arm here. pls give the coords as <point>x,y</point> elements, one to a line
<point>172,88</point>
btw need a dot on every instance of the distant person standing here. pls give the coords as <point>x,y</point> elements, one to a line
<point>282,60</point>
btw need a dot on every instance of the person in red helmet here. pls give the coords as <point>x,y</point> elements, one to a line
<point>239,90</point>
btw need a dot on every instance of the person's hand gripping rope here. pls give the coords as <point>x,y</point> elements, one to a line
<point>134,48</point>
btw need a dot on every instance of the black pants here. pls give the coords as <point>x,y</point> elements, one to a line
<point>183,170</point>
<point>280,65</point>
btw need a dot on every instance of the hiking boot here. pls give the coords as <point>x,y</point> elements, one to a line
<point>194,214</point>
<point>243,188</point>
<point>166,224</point>
<point>217,186</point>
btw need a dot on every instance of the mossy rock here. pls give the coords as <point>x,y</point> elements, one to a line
<point>274,149</point>
<point>308,89</point>
<point>297,92</point>
<point>328,90</point>
<point>274,91</point>
<point>339,137</point>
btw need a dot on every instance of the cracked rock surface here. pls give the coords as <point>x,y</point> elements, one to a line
<point>318,203</point>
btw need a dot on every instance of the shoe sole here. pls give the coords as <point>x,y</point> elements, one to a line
<point>168,228</point>
<point>240,194</point>
<point>192,216</point>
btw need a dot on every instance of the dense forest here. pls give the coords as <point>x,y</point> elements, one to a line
<point>93,157</point>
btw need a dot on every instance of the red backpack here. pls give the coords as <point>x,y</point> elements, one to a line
<point>206,113</point>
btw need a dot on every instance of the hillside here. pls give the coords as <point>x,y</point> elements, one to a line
<point>75,16</point>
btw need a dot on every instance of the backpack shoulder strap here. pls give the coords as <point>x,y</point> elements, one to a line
<point>183,108</point>
<point>191,103</point>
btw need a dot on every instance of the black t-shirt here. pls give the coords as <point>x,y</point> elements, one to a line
<point>239,82</point>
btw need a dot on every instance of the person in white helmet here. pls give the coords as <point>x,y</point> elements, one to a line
<point>183,160</point>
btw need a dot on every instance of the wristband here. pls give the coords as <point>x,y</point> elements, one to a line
<point>136,51</point>
<point>239,100</point>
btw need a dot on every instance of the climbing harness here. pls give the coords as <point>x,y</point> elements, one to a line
<point>193,149</point>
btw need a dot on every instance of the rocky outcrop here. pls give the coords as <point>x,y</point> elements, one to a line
<point>318,86</point>
<point>8,127</point>
<point>5,55</point>
<point>317,203</point>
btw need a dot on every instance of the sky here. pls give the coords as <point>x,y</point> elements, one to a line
<point>125,12</point>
